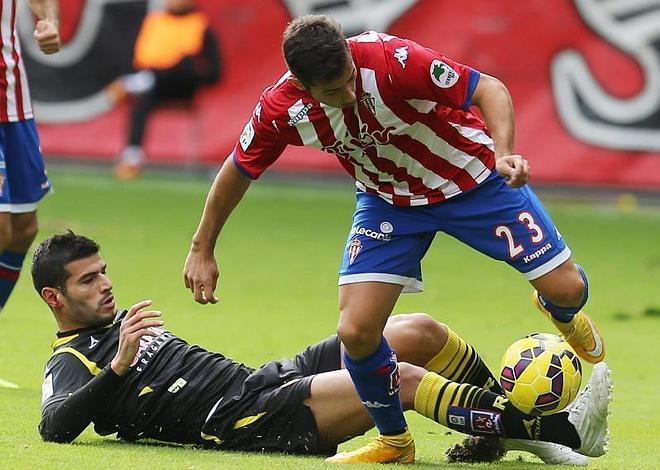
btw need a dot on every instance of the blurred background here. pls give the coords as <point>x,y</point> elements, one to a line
<point>584,76</point>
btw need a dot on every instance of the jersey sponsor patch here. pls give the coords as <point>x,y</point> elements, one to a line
<point>47,388</point>
<point>247,135</point>
<point>442,74</point>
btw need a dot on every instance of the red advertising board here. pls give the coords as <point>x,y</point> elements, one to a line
<point>584,76</point>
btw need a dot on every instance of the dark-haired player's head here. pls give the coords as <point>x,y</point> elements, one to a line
<point>317,54</point>
<point>70,276</point>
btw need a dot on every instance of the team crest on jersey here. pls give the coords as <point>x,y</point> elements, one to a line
<point>401,54</point>
<point>369,102</point>
<point>354,249</point>
<point>442,74</point>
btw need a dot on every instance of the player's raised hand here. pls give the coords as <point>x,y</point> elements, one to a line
<point>136,324</point>
<point>200,275</point>
<point>514,168</point>
<point>47,36</point>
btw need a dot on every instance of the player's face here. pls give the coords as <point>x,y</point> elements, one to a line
<point>88,299</point>
<point>339,93</point>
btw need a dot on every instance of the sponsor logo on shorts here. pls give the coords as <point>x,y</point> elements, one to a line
<point>485,422</point>
<point>538,253</point>
<point>357,230</point>
<point>354,249</point>
<point>443,75</point>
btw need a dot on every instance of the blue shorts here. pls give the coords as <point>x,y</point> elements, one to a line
<point>387,243</point>
<point>23,180</point>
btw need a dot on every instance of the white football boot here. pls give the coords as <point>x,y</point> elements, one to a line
<point>588,413</point>
<point>549,452</point>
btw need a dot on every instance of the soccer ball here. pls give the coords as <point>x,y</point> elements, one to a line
<point>540,374</point>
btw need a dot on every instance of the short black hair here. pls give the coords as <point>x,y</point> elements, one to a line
<point>315,49</point>
<point>54,253</point>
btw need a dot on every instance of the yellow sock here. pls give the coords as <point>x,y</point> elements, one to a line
<point>456,360</point>
<point>435,394</point>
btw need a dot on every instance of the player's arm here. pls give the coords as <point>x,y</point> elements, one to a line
<point>200,272</point>
<point>259,145</point>
<point>73,395</point>
<point>69,410</point>
<point>494,101</point>
<point>47,30</point>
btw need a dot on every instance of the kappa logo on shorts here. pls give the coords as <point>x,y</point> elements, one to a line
<point>354,249</point>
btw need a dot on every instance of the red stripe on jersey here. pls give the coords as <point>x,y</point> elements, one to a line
<point>415,184</point>
<point>4,117</point>
<point>9,274</point>
<point>435,162</point>
<point>353,126</point>
<point>18,92</point>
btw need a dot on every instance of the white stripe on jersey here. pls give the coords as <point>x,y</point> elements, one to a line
<point>361,160</point>
<point>303,125</point>
<point>7,51</point>
<point>25,89</point>
<point>424,134</point>
<point>401,158</point>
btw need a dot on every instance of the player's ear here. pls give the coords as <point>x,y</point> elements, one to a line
<point>52,297</point>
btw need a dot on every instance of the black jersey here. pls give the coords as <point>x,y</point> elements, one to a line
<point>166,394</point>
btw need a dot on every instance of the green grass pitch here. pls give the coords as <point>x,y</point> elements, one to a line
<point>279,256</point>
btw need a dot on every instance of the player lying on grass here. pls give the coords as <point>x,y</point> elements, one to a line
<point>125,373</point>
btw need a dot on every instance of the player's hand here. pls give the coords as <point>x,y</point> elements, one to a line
<point>136,324</point>
<point>200,275</point>
<point>47,36</point>
<point>514,168</point>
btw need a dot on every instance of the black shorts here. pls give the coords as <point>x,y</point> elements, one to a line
<point>269,415</point>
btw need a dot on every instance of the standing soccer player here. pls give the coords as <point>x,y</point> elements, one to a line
<point>23,180</point>
<point>397,116</point>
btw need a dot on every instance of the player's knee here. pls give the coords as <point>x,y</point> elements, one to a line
<point>358,339</point>
<point>425,329</point>
<point>569,294</point>
<point>410,377</point>
<point>415,335</point>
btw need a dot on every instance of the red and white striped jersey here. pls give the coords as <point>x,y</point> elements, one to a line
<point>15,104</point>
<point>410,138</point>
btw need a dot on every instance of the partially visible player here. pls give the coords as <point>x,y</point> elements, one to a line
<point>397,116</point>
<point>125,373</point>
<point>23,180</point>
